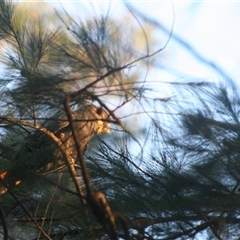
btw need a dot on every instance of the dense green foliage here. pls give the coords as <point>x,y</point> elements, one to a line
<point>169,169</point>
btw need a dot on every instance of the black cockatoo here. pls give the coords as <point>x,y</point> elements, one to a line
<point>42,155</point>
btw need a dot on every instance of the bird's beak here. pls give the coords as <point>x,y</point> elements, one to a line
<point>104,127</point>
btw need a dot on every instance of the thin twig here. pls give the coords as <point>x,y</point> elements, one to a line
<point>4,225</point>
<point>26,211</point>
<point>49,203</point>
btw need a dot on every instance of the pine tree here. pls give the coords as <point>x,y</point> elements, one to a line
<point>63,83</point>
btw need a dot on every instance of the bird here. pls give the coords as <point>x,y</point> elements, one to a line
<point>40,154</point>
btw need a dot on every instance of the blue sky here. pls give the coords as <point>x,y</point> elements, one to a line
<point>210,27</point>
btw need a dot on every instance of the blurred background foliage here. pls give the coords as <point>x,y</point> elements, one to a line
<point>170,166</point>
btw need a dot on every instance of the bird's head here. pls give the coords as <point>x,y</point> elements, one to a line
<point>100,119</point>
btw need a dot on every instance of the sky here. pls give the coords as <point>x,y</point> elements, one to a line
<point>211,28</point>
